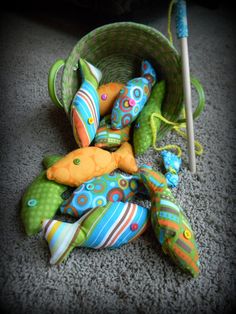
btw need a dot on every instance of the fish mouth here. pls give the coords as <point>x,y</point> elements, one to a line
<point>50,174</point>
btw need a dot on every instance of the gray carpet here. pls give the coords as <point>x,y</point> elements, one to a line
<point>136,278</point>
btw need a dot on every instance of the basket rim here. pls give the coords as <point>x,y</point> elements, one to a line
<point>106,27</point>
<point>141,26</point>
<point>150,31</point>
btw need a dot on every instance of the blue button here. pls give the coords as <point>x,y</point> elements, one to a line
<point>31,203</point>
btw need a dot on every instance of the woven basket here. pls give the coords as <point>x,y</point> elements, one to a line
<point>117,50</point>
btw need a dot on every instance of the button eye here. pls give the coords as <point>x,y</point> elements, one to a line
<point>31,203</point>
<point>91,120</point>
<point>187,234</point>
<point>76,161</point>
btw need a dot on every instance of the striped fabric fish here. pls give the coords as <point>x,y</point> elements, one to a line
<point>85,109</point>
<point>169,222</point>
<point>98,191</point>
<point>109,226</point>
<point>108,138</point>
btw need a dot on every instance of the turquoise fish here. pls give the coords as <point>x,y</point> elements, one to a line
<point>133,97</point>
<point>98,191</point>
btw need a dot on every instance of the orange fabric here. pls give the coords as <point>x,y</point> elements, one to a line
<point>111,90</point>
<point>93,162</point>
<point>168,224</point>
<point>186,258</point>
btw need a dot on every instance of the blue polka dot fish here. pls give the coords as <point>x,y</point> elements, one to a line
<point>133,97</point>
<point>98,191</point>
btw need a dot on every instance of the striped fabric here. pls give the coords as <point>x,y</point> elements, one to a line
<point>85,114</point>
<point>170,224</point>
<point>106,137</point>
<point>108,226</point>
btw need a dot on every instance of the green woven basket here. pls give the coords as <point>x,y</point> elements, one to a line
<point>117,50</point>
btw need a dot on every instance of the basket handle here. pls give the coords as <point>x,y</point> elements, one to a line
<point>52,76</point>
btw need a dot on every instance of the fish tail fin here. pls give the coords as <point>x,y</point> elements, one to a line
<point>154,181</point>
<point>50,160</point>
<point>125,158</point>
<point>90,73</point>
<point>148,72</point>
<point>61,237</point>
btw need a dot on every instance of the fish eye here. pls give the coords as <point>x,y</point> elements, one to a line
<point>76,161</point>
<point>32,202</point>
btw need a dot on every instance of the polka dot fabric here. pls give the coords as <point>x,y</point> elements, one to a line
<point>111,187</point>
<point>133,97</point>
<point>40,201</point>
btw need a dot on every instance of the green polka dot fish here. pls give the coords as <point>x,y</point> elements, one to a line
<point>42,199</point>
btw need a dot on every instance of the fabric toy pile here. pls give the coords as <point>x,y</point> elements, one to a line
<point>85,185</point>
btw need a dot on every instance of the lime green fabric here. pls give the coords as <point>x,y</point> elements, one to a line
<point>142,136</point>
<point>41,199</point>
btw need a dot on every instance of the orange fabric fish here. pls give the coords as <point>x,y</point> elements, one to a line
<point>107,95</point>
<point>85,163</point>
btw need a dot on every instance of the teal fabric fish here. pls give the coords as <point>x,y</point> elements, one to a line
<point>133,97</point>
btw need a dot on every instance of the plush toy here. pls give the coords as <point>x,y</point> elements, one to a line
<point>84,113</point>
<point>172,165</point>
<point>111,187</point>
<point>42,199</point>
<point>108,226</point>
<point>107,95</point>
<point>143,130</point>
<point>108,138</point>
<point>85,163</point>
<point>133,97</point>
<point>169,222</point>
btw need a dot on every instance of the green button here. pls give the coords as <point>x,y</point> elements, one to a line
<point>76,161</point>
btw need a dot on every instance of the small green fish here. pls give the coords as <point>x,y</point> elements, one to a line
<point>42,199</point>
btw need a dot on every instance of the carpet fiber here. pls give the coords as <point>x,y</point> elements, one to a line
<point>136,278</point>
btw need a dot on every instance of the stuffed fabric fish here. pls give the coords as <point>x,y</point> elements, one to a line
<point>111,187</point>
<point>169,222</point>
<point>109,226</point>
<point>108,138</point>
<point>172,165</point>
<point>143,133</point>
<point>133,97</point>
<point>84,112</point>
<point>42,199</point>
<point>83,164</point>
<point>107,95</point>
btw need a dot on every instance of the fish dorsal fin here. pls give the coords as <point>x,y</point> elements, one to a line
<point>124,157</point>
<point>50,160</point>
<point>90,73</point>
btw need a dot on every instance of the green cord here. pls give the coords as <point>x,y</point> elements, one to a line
<point>169,20</point>
<point>177,128</point>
